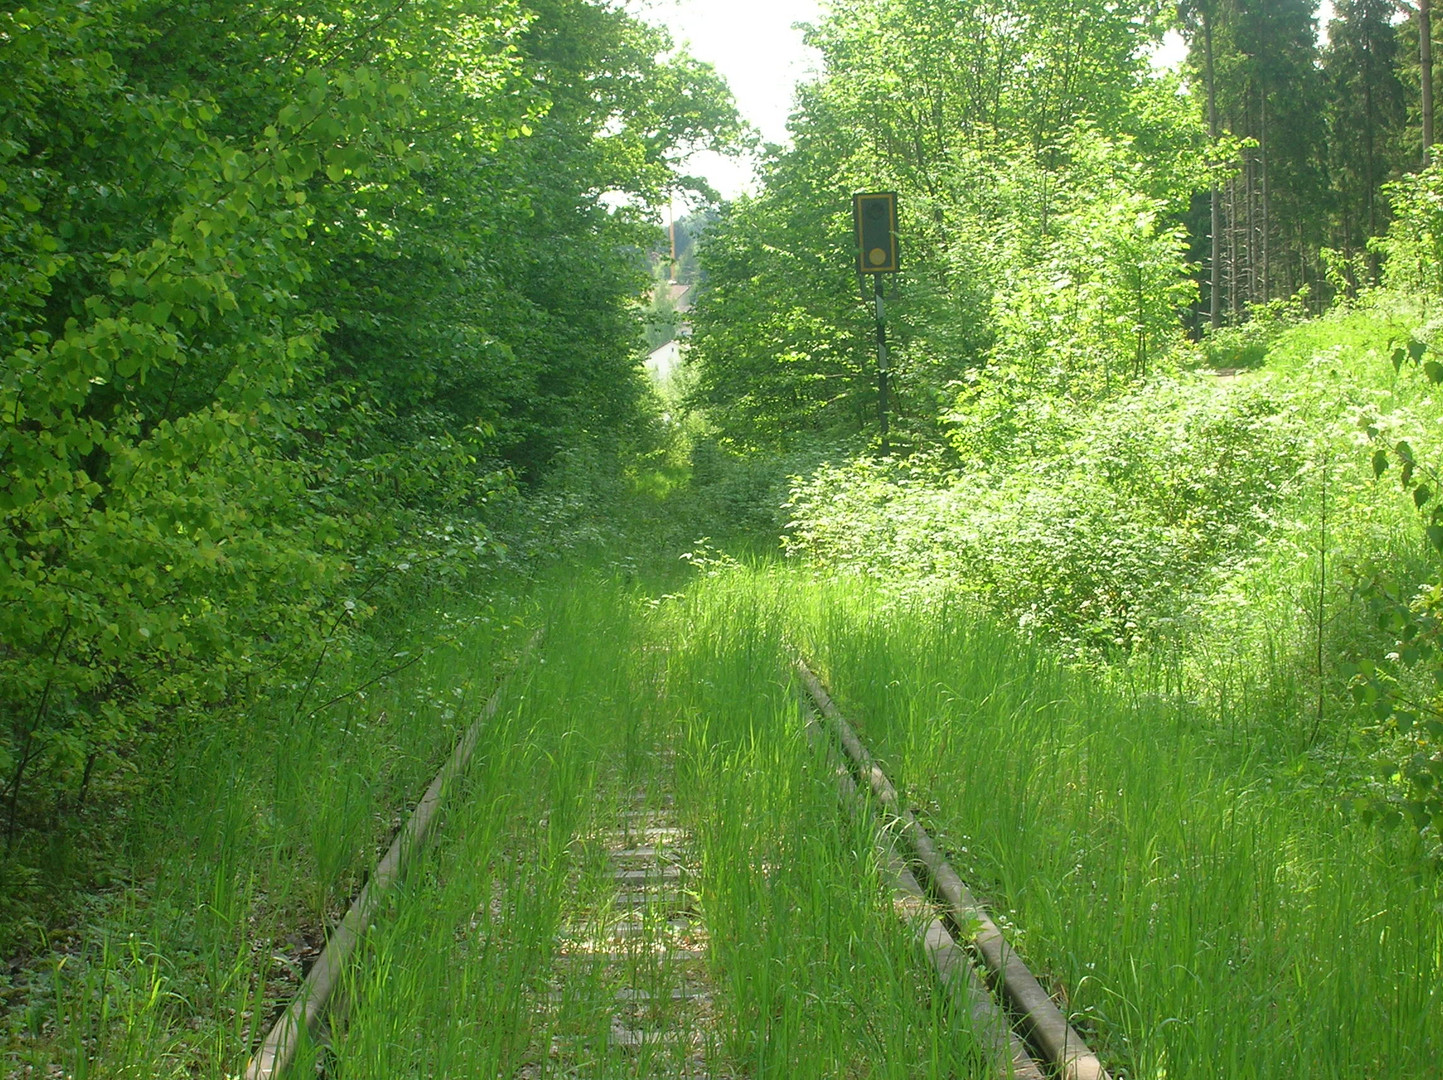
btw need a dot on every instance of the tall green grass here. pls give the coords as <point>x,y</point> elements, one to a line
<point>819,976</point>
<point>1173,864</point>
<point>454,983</point>
<point>687,704</point>
<point>1198,899</point>
<point>251,839</point>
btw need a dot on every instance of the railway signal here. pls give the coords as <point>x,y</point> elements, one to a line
<point>874,216</point>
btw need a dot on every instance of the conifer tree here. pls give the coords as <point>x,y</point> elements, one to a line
<point>1366,111</point>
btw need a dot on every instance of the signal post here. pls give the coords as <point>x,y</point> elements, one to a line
<point>874,215</point>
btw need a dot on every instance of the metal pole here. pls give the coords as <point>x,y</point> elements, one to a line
<point>881,363</point>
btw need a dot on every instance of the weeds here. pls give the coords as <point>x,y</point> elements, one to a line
<point>250,840</point>
<point>815,975</point>
<point>1201,907</point>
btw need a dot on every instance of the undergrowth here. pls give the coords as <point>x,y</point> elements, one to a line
<point>1178,872</point>
<point>1216,523</point>
<point>168,945</point>
<point>1216,551</point>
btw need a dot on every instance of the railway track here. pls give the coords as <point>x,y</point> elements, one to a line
<point>1052,1046</point>
<point>643,945</point>
<point>629,989</point>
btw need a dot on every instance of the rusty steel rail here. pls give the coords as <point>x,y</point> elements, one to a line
<point>278,1049</point>
<point>955,971</point>
<point>1042,1023</point>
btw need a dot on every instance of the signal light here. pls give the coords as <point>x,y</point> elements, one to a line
<point>875,216</point>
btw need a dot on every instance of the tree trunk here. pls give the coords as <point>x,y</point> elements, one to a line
<point>1247,215</point>
<point>1425,70</point>
<point>1215,260</point>
<point>1267,285</point>
<point>1233,248</point>
<point>1370,166</point>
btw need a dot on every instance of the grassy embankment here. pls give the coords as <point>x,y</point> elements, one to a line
<point>170,917</point>
<point>1170,827</point>
<point>1200,904</point>
<point>1228,529</point>
<point>1199,909</point>
<point>248,841</point>
<point>1202,913</point>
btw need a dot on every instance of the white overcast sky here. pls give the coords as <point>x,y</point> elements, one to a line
<point>753,45</point>
<point>756,48</point>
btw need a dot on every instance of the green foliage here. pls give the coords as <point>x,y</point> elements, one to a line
<point>923,80</point>
<point>1246,344</point>
<point>220,884</point>
<point>740,496</point>
<point>1367,110</point>
<point>287,296</point>
<point>1222,531</point>
<point>1038,204</point>
<point>1091,530</point>
<point>158,541</point>
<point>1091,296</point>
<point>1404,690</point>
<point>1413,244</point>
<point>1216,873</point>
<point>777,345</point>
<point>1257,77</point>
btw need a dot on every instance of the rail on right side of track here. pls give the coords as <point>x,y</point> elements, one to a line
<point>1042,1024</point>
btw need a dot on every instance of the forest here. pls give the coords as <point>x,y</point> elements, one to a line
<point>325,422</point>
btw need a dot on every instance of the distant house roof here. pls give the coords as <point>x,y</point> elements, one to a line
<point>679,295</point>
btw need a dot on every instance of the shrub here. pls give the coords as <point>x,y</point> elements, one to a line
<point>1404,688</point>
<point>1093,534</point>
<point>1413,244</point>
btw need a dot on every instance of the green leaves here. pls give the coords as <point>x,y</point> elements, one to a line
<point>1412,353</point>
<point>1084,528</point>
<point>1039,239</point>
<point>1413,245</point>
<point>1409,714</point>
<point>1403,451</point>
<point>263,290</point>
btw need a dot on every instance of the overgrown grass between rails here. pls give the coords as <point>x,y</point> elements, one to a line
<point>1201,904</point>
<point>247,833</point>
<point>814,973</point>
<point>250,840</point>
<point>453,983</point>
<point>1182,878</point>
<point>818,975</point>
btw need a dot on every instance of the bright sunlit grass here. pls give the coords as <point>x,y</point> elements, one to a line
<point>1196,906</point>
<point>1190,892</point>
<point>813,974</point>
<point>254,840</point>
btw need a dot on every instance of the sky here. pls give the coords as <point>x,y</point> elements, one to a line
<point>754,46</point>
